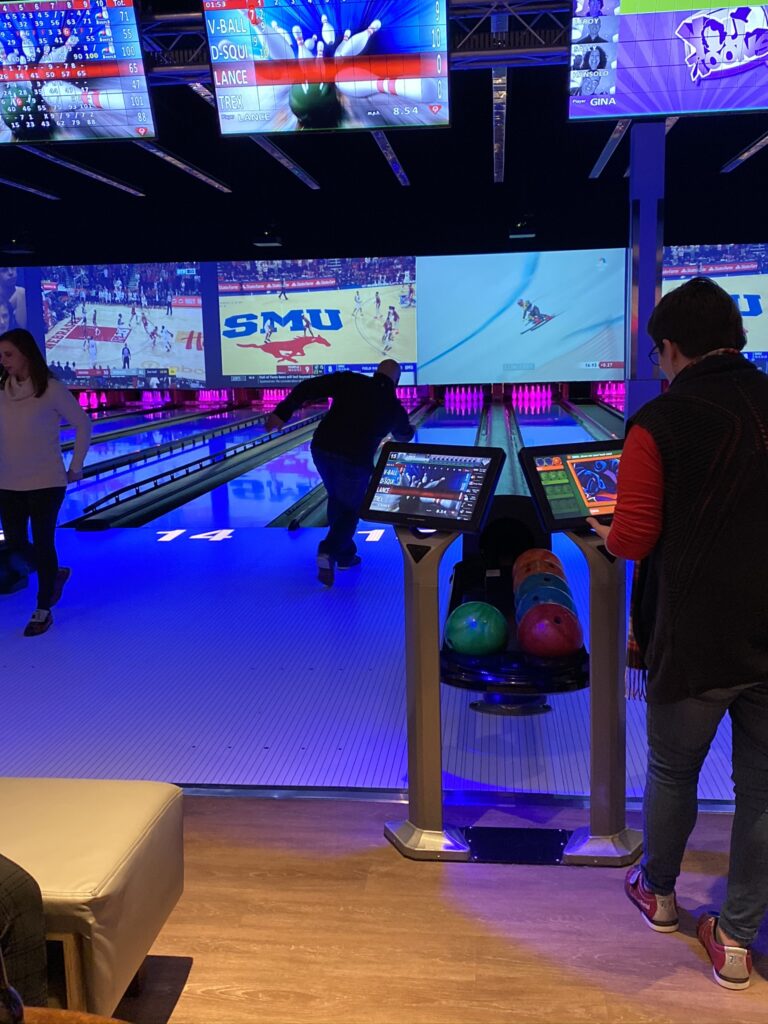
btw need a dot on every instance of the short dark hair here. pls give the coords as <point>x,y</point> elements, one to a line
<point>26,344</point>
<point>699,317</point>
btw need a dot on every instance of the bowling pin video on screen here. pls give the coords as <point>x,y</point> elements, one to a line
<point>295,65</point>
<point>284,320</point>
<point>651,58</point>
<point>125,326</point>
<point>71,70</point>
<point>742,270</point>
<point>521,317</point>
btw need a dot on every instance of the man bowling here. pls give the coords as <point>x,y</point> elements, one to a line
<point>363,411</point>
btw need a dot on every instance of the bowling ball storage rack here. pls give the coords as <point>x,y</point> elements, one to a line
<point>512,682</point>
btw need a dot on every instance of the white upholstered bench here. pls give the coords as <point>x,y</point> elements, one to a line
<point>108,857</point>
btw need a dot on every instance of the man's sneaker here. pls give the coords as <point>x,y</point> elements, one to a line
<point>325,569</point>
<point>731,965</point>
<point>349,563</point>
<point>62,577</point>
<point>659,912</point>
<point>41,621</point>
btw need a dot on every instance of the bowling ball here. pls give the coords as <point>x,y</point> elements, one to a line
<point>543,595</point>
<point>25,112</point>
<point>476,628</point>
<point>316,106</point>
<point>541,579</point>
<point>535,555</point>
<point>534,569</point>
<point>550,631</point>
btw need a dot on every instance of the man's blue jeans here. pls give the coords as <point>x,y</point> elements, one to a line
<point>346,483</point>
<point>679,736</point>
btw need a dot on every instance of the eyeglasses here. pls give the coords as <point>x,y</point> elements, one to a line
<point>655,355</point>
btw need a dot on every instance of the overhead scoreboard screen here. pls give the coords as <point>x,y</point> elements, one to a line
<point>71,70</point>
<point>284,320</point>
<point>650,58</point>
<point>137,325</point>
<point>742,270</point>
<point>295,65</point>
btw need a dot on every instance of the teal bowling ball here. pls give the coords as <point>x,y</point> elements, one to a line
<point>541,579</point>
<point>543,595</point>
<point>476,628</point>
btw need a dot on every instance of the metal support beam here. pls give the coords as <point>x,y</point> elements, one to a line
<point>264,143</point>
<point>745,154</point>
<point>389,155</point>
<point>27,188</point>
<point>646,236</point>
<point>618,133</point>
<point>55,158</point>
<point>669,124</point>
<point>499,82</point>
<point>182,165</point>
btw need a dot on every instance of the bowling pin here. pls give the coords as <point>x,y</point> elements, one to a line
<point>310,43</point>
<point>320,50</point>
<point>298,35</point>
<point>344,41</point>
<point>353,45</point>
<point>421,90</point>
<point>328,32</point>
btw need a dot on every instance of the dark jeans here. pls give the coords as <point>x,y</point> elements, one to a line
<point>19,510</point>
<point>22,933</point>
<point>679,736</point>
<point>346,483</point>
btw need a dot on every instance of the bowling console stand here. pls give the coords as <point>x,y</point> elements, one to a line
<point>519,684</point>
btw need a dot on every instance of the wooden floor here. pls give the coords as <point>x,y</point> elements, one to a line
<point>299,912</point>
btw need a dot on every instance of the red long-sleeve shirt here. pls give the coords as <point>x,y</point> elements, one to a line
<point>637,520</point>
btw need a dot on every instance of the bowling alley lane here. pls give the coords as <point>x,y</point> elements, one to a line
<point>94,488</point>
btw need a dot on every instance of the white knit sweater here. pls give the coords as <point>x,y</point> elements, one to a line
<point>30,447</point>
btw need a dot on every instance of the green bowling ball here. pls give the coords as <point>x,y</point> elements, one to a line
<point>25,112</point>
<point>543,595</point>
<point>316,106</point>
<point>476,628</point>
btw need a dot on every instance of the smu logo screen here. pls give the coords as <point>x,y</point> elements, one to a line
<point>243,325</point>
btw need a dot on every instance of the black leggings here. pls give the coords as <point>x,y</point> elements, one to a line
<point>19,509</point>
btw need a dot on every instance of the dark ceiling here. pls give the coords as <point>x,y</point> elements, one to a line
<point>451,205</point>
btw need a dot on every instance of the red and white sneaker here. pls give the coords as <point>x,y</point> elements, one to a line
<point>731,965</point>
<point>659,912</point>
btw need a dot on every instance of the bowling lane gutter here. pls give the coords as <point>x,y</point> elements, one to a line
<point>598,420</point>
<point>172,421</point>
<point>168,447</point>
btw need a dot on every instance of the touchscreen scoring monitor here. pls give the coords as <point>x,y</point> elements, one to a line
<point>570,482</point>
<point>441,487</point>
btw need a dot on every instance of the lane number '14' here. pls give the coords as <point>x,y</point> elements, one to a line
<point>166,535</point>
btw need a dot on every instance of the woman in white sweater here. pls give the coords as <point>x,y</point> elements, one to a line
<point>32,474</point>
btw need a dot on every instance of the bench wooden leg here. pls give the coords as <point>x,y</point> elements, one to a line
<point>73,968</point>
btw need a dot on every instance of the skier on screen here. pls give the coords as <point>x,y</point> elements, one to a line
<point>532,315</point>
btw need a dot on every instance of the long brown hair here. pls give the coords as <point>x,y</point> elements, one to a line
<point>26,344</point>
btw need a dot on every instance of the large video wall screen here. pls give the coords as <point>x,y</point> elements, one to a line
<point>521,317</point>
<point>638,58</point>
<point>71,70</point>
<point>295,65</point>
<point>742,270</point>
<point>125,326</point>
<point>284,320</point>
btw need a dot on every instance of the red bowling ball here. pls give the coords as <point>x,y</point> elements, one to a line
<point>550,631</point>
